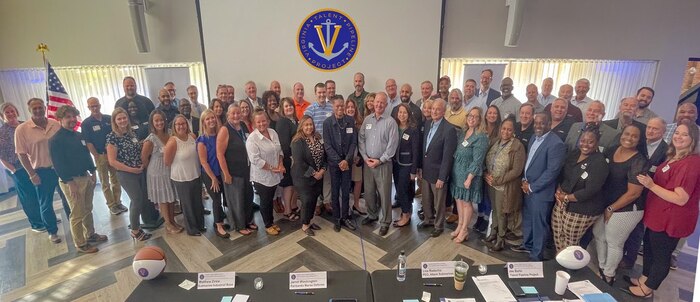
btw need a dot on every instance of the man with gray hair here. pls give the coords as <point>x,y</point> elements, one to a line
<point>625,117</point>
<point>197,107</point>
<point>582,100</point>
<point>251,92</point>
<point>546,97</point>
<point>439,145</point>
<point>378,140</point>
<point>76,171</point>
<point>532,98</point>
<point>594,114</point>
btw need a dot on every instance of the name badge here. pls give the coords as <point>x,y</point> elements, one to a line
<point>465,143</point>
<point>517,270</point>
<point>438,269</point>
<point>328,114</point>
<point>96,128</point>
<point>135,127</point>
<point>368,126</point>
<point>600,148</point>
<point>309,280</point>
<point>82,141</point>
<point>666,168</point>
<point>134,140</point>
<point>405,136</point>
<point>348,130</point>
<point>584,175</point>
<point>652,169</point>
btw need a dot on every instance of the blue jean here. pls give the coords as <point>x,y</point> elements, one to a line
<point>26,194</point>
<point>536,225</point>
<point>44,192</point>
<point>340,191</point>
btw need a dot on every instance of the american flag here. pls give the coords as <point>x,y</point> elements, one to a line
<point>57,95</point>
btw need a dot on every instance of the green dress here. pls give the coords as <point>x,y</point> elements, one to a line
<point>469,158</point>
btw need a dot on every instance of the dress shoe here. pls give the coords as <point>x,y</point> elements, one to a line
<point>452,218</point>
<point>368,220</point>
<point>315,227</point>
<point>336,227</point>
<point>436,232</point>
<point>490,238</point>
<point>222,235</point>
<point>349,224</point>
<point>423,225</point>
<point>421,214</point>
<point>383,230</point>
<point>519,249</point>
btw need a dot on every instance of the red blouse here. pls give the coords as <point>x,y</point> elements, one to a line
<point>663,216</point>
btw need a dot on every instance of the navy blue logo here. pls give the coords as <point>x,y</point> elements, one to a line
<point>328,39</point>
<point>143,272</point>
<point>578,255</point>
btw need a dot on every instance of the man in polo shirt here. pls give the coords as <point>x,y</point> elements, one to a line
<point>319,112</point>
<point>300,104</point>
<point>645,96</point>
<point>378,141</point>
<point>166,105</point>
<point>76,171</point>
<point>251,92</point>
<point>507,103</point>
<point>330,90</point>
<point>560,123</point>
<point>32,147</point>
<point>566,92</point>
<point>394,99</point>
<point>197,107</point>
<point>546,97</point>
<point>359,94</point>
<point>95,129</point>
<point>582,100</point>
<point>144,104</point>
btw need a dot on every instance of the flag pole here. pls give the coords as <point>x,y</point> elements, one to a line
<point>43,48</point>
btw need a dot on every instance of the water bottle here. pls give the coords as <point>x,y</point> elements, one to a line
<point>401,268</point>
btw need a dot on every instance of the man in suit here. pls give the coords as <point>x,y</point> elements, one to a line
<point>185,109</point>
<point>594,114</point>
<point>655,152</point>
<point>625,117</point>
<point>251,92</point>
<point>439,144</point>
<point>485,93</point>
<point>546,154</point>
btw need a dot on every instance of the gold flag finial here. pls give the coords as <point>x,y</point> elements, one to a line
<point>43,48</point>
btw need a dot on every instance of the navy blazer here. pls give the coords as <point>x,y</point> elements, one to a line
<point>439,156</point>
<point>409,151</point>
<point>545,166</point>
<point>493,94</point>
<point>339,139</point>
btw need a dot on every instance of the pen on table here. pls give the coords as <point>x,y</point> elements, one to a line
<point>432,284</point>
<point>304,293</point>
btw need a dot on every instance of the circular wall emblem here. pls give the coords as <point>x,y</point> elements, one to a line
<point>143,272</point>
<point>328,40</point>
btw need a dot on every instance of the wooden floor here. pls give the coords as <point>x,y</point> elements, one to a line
<point>34,269</point>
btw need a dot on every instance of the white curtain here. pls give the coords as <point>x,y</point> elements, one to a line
<point>610,80</point>
<point>82,82</point>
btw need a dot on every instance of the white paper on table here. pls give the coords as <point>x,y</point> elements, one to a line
<point>580,288</point>
<point>216,280</point>
<point>438,269</point>
<point>187,284</point>
<point>517,270</point>
<point>240,298</point>
<point>426,297</point>
<point>493,289</point>
<point>457,300</point>
<point>308,280</point>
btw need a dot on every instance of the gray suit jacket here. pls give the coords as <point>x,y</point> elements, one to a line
<point>608,136</point>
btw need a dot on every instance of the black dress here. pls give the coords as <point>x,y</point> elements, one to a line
<point>286,129</point>
<point>620,175</point>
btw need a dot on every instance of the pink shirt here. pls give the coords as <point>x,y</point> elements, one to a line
<point>32,140</point>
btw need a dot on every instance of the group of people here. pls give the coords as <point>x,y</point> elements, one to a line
<point>523,173</point>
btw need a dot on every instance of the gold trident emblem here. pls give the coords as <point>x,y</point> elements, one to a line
<point>328,42</point>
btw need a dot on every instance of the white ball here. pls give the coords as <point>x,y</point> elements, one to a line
<point>573,257</point>
<point>148,269</point>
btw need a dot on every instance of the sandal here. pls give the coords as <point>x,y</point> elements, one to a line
<point>644,295</point>
<point>291,216</point>
<point>245,232</point>
<point>172,230</point>
<point>631,281</point>
<point>141,235</point>
<point>253,226</point>
<point>397,225</point>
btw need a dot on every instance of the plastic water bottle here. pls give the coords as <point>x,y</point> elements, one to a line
<point>401,268</point>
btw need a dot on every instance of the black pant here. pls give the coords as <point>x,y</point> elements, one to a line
<point>404,187</point>
<point>658,249</point>
<point>216,197</point>
<point>267,194</point>
<point>308,195</point>
<point>633,243</point>
<point>190,193</point>
<point>340,192</point>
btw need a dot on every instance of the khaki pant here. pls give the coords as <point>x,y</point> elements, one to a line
<point>81,224</point>
<point>108,178</point>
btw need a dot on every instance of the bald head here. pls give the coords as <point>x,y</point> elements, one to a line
<point>506,88</point>
<point>164,97</point>
<point>406,93</point>
<point>298,92</point>
<point>276,87</point>
<point>687,111</point>
<point>390,87</point>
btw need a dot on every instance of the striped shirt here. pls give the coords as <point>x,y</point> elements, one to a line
<point>319,113</point>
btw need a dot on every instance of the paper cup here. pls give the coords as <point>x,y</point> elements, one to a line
<point>561,282</point>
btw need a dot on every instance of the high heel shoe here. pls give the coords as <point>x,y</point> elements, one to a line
<point>356,210</point>
<point>460,239</point>
<point>454,234</point>
<point>141,235</point>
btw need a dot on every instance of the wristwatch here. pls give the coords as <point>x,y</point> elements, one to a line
<point>610,209</point>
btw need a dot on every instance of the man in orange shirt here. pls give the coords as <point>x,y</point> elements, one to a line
<point>300,104</point>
